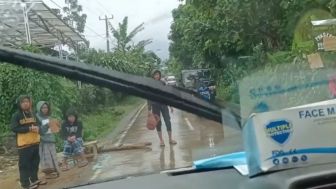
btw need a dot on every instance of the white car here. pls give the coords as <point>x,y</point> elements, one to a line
<point>171,80</point>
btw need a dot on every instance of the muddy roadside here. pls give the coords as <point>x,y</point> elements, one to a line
<point>9,175</point>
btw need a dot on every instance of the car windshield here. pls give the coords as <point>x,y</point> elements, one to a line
<point>67,128</point>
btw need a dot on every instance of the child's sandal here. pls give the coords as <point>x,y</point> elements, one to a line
<point>65,168</point>
<point>39,182</point>
<point>42,182</point>
<point>83,163</point>
<point>53,175</point>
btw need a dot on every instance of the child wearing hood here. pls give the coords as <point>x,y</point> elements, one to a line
<point>71,132</point>
<point>48,157</point>
<point>26,128</point>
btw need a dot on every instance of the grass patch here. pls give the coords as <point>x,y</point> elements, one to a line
<point>104,121</point>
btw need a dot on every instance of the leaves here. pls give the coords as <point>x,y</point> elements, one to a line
<point>124,38</point>
<point>204,33</point>
<point>74,15</point>
<point>15,81</point>
<point>134,60</point>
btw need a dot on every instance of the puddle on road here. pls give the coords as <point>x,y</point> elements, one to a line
<point>213,139</point>
<point>197,138</point>
<point>133,162</point>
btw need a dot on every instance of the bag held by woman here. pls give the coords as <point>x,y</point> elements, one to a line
<point>152,121</point>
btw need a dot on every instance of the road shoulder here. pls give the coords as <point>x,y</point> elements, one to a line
<point>123,126</point>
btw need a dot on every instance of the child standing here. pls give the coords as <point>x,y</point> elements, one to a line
<point>71,132</point>
<point>24,125</point>
<point>47,150</point>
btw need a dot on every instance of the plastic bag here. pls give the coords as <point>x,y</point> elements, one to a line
<point>152,121</point>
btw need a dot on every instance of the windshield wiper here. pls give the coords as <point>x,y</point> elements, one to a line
<point>131,84</point>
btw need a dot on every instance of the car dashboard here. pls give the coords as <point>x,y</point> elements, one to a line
<point>313,177</point>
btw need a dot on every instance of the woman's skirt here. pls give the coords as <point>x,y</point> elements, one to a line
<point>48,157</point>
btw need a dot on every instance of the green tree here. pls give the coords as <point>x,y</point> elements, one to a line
<point>136,61</point>
<point>15,81</point>
<point>74,15</point>
<point>124,39</point>
<point>57,12</point>
<point>203,32</point>
<point>215,33</point>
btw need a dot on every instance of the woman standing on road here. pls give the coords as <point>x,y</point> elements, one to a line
<point>158,109</point>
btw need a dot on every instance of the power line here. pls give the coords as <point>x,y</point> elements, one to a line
<point>93,35</point>
<point>87,7</point>
<point>91,11</point>
<point>102,6</point>
<point>107,32</point>
<point>92,30</point>
<point>98,9</point>
<point>56,4</point>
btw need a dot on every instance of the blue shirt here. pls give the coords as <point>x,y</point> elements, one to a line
<point>204,92</point>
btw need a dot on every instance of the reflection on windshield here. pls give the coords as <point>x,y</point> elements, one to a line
<point>290,85</point>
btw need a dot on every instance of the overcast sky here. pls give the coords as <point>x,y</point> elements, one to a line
<point>156,14</point>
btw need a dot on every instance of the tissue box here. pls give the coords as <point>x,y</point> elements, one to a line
<point>295,137</point>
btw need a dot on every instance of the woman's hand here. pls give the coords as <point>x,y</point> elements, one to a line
<point>71,138</point>
<point>35,129</point>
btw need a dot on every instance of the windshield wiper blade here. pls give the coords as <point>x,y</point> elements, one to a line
<point>131,84</point>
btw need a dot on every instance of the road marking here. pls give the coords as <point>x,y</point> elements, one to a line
<point>98,167</point>
<point>124,133</point>
<point>189,124</point>
<point>211,142</point>
<point>178,170</point>
<point>95,175</point>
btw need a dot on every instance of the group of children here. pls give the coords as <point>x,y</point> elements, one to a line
<point>36,141</point>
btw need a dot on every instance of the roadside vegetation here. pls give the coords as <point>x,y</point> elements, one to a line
<point>101,109</point>
<point>236,38</point>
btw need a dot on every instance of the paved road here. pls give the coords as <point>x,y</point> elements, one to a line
<point>196,138</point>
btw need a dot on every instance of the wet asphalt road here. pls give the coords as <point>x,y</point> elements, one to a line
<point>196,138</point>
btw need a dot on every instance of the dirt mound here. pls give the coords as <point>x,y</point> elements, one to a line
<point>8,145</point>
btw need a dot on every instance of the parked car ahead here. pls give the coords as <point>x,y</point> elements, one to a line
<point>171,80</point>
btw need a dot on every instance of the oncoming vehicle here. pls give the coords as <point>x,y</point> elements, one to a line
<point>171,80</point>
<point>204,90</point>
<point>194,79</point>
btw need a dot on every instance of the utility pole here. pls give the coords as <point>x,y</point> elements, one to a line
<point>107,32</point>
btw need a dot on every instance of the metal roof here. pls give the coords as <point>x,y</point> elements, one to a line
<point>39,26</point>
